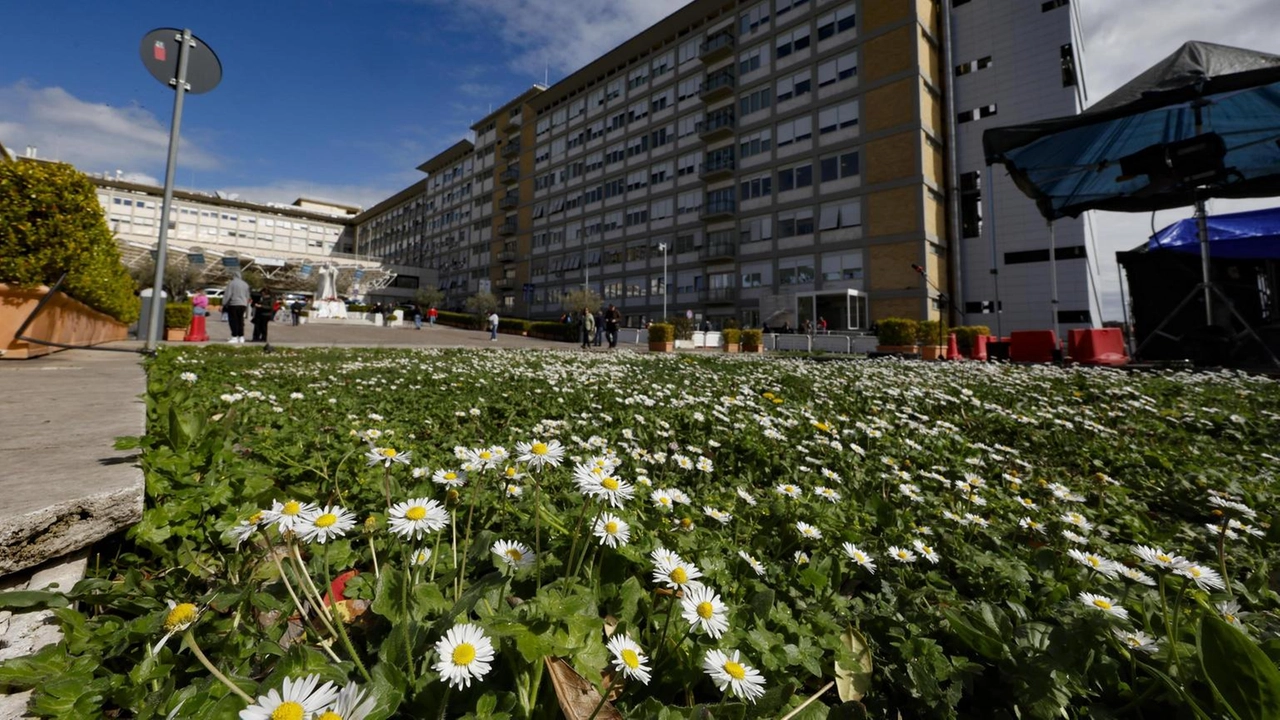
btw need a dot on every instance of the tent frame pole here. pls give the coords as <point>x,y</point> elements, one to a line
<point>1202,228</point>
<point>995,268</point>
<point>1053,280</point>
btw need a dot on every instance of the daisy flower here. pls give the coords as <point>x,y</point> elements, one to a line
<point>612,490</point>
<point>746,497</point>
<point>629,659</point>
<point>702,608</point>
<point>1076,519</point>
<point>189,377</point>
<point>1135,575</point>
<point>729,674</point>
<point>926,552</point>
<point>808,531</point>
<point>612,530</point>
<point>673,571</point>
<point>419,557</point>
<point>800,557</point>
<point>790,491</point>
<point>754,563</point>
<point>902,555</point>
<point>715,514</point>
<point>1104,604</point>
<point>514,491</point>
<point>463,654</point>
<point>1205,578</point>
<point>297,698</point>
<point>387,456</point>
<point>1027,523</point>
<point>482,458</point>
<point>827,493</point>
<point>1075,537</point>
<point>1135,640</point>
<point>683,462</point>
<point>516,555</point>
<point>286,515</point>
<point>247,527</point>
<point>705,465</point>
<point>449,478</point>
<point>352,704</point>
<point>180,617</point>
<point>325,523</point>
<point>859,557</point>
<point>1096,563</point>
<point>662,499</point>
<point>1230,611</point>
<point>680,497</point>
<point>539,454</point>
<point>1158,558</point>
<point>415,518</point>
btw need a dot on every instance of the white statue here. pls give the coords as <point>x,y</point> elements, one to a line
<point>326,278</point>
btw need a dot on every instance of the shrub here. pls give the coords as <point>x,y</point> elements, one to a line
<point>752,339</point>
<point>897,331</point>
<point>661,332</point>
<point>513,326</point>
<point>564,332</point>
<point>51,223</point>
<point>177,315</point>
<point>931,332</point>
<point>966,334</point>
<point>462,320</point>
<point>732,336</point>
<point>681,326</point>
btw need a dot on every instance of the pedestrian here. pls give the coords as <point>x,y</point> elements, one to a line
<point>493,326</point>
<point>588,327</point>
<point>295,309</point>
<point>822,325</point>
<point>416,311</point>
<point>235,302</point>
<point>599,318</point>
<point>612,317</point>
<point>199,304</point>
<point>263,310</point>
<point>807,327</point>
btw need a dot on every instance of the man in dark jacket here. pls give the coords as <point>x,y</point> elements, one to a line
<point>612,318</point>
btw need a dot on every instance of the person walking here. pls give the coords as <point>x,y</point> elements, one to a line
<point>295,310</point>
<point>416,311</point>
<point>822,325</point>
<point>599,318</point>
<point>235,302</point>
<point>612,318</point>
<point>587,325</point>
<point>263,311</point>
<point>431,316</point>
<point>493,326</point>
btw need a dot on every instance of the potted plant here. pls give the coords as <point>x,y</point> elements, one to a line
<point>732,337</point>
<point>753,341</point>
<point>177,318</point>
<point>931,334</point>
<point>896,335</point>
<point>965,337</point>
<point>662,338</point>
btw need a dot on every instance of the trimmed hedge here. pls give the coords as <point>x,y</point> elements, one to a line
<point>546,330</point>
<point>662,332</point>
<point>462,320</point>
<point>51,223</point>
<point>931,332</point>
<point>896,331</point>
<point>966,334</point>
<point>512,326</point>
<point>731,336</point>
<point>177,315</point>
<point>752,339</point>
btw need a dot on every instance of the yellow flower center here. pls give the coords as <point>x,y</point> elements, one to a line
<point>293,507</point>
<point>1101,604</point>
<point>288,711</point>
<point>1164,558</point>
<point>1194,571</point>
<point>611,528</point>
<point>705,610</point>
<point>630,658</point>
<point>735,670</point>
<point>664,501</point>
<point>464,654</point>
<point>329,715</point>
<point>1230,618</point>
<point>515,555</point>
<point>389,452</point>
<point>686,523</point>
<point>1094,561</point>
<point>539,448</point>
<point>609,483</point>
<point>678,576</point>
<point>255,518</point>
<point>1132,641</point>
<point>859,557</point>
<point>417,512</point>
<point>181,615</point>
<point>511,472</point>
<point>451,476</point>
<point>485,455</point>
<point>326,520</point>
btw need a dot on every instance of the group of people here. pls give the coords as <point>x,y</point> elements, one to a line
<point>602,325</point>
<point>806,328</point>
<point>416,314</point>
<point>238,301</point>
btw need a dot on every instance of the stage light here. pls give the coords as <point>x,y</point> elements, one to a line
<point>1195,161</point>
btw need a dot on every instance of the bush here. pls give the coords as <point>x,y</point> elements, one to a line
<point>513,326</point>
<point>966,334</point>
<point>462,320</point>
<point>752,339</point>
<point>565,332</point>
<point>732,336</point>
<point>681,326</point>
<point>177,315</point>
<point>51,223</point>
<point>662,332</point>
<point>358,309</point>
<point>931,332</point>
<point>897,331</point>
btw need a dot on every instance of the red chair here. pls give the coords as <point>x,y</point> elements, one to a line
<point>1097,346</point>
<point>1033,346</point>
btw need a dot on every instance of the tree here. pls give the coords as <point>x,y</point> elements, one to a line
<point>578,299</point>
<point>428,297</point>
<point>482,304</point>
<point>179,278</point>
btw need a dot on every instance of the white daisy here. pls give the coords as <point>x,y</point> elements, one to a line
<point>387,456</point>
<point>298,698</point>
<point>800,557</point>
<point>746,497</point>
<point>1158,558</point>
<point>702,608</point>
<point>463,654</point>
<point>180,617</point>
<point>1076,519</point>
<point>613,490</point>
<point>1135,640</point>
<point>717,514</point>
<point>729,673</point>
<point>286,515</point>
<point>1027,523</point>
<point>859,557</point>
<point>1096,563</point>
<point>827,493</point>
<point>539,454</point>
<point>788,490</point>
<point>628,658</point>
<point>705,465</point>
<point>1135,575</point>
<point>514,491</point>
<point>415,518</point>
<point>1104,604</point>
<point>515,554</point>
<point>926,552</point>
<point>662,499</point>
<point>673,571</point>
<point>325,523</point>
<point>808,531</point>
<point>902,555</point>
<point>482,458</point>
<point>420,556</point>
<point>352,704</point>
<point>1205,578</point>
<point>449,478</point>
<point>752,562</point>
<point>612,530</point>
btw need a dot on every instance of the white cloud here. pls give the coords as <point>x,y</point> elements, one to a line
<point>95,137</point>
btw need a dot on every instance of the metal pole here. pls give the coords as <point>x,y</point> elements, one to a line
<point>180,91</point>
<point>664,282</point>
<point>955,253</point>
<point>1124,309</point>
<point>1202,226</point>
<point>995,271</point>
<point>1053,278</point>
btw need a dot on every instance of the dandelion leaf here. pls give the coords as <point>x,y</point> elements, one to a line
<point>1242,676</point>
<point>853,682</point>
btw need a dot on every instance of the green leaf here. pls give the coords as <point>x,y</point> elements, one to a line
<point>977,639</point>
<point>853,682</point>
<point>388,601</point>
<point>32,599</point>
<point>1242,676</point>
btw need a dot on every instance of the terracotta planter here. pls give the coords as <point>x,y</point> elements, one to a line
<point>174,334</point>
<point>752,348</point>
<point>661,346</point>
<point>731,347</point>
<point>63,320</point>
<point>933,352</point>
<point>896,349</point>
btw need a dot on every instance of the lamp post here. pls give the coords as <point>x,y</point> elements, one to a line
<point>663,248</point>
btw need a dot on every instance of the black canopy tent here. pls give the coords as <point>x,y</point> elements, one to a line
<point>1204,122</point>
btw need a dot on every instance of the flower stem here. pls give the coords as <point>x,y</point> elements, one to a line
<point>659,647</point>
<point>577,526</point>
<point>466,539</point>
<point>190,641</point>
<point>537,533</point>
<point>386,483</point>
<point>404,624</point>
<point>604,696</point>
<point>1222,554</point>
<point>351,650</point>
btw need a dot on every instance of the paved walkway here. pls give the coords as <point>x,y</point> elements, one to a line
<point>331,335</point>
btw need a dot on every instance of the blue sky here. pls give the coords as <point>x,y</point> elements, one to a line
<point>342,99</point>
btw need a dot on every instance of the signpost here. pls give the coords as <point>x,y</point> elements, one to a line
<point>184,62</point>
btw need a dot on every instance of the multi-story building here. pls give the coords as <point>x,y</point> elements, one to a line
<point>768,160</point>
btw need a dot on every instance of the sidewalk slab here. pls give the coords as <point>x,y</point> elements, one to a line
<point>63,485</point>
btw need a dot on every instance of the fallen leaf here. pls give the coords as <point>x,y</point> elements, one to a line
<point>578,698</point>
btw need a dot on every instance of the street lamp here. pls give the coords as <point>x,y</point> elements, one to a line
<point>663,248</point>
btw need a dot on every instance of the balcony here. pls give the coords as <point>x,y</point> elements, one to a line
<point>507,256</point>
<point>718,296</point>
<point>718,210</point>
<point>506,284</point>
<point>510,175</point>
<point>716,47</point>
<point>717,85</point>
<point>716,169</point>
<point>511,149</point>
<point>508,227</point>
<point>510,201</point>
<point>717,125</point>
<point>719,246</point>
<point>510,123</point>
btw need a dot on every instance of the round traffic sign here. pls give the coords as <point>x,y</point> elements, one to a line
<point>159,52</point>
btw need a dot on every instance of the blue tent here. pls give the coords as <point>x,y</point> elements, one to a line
<point>1073,164</point>
<point>1252,235</point>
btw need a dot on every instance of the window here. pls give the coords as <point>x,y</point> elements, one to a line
<point>615,154</point>
<point>757,187</point>
<point>690,202</point>
<point>689,50</point>
<point>662,100</point>
<point>837,167</point>
<point>976,114</point>
<point>794,86</point>
<point>970,205</point>
<point>794,130</point>
<point>688,164</point>
<point>1052,5</point>
<point>686,243</point>
<point>838,117</point>
<point>638,111</point>
<point>719,159</point>
<point>840,215</point>
<point>615,187</point>
<point>793,178</point>
<point>756,275</point>
<point>755,101</point>
<point>755,143</point>
<point>637,180</point>
<point>637,215</point>
<point>1070,252</point>
<point>689,88</point>
<point>617,122</point>
<point>1068,66</point>
<point>786,6</point>
<point>754,19</point>
<point>612,221</point>
<point>661,209</point>
<point>720,201</point>
<point>791,42</point>
<point>689,125</point>
<point>750,60</point>
<point>834,23</point>
<point>795,271</point>
<point>841,68</point>
<point>981,63</point>
<point>594,161</point>
<point>755,229</point>
<point>842,266</point>
<point>595,130</point>
<point>613,90</point>
<point>638,77</point>
<point>660,173</point>
<point>637,145</point>
<point>795,222</point>
<point>662,65</point>
<point>660,137</point>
